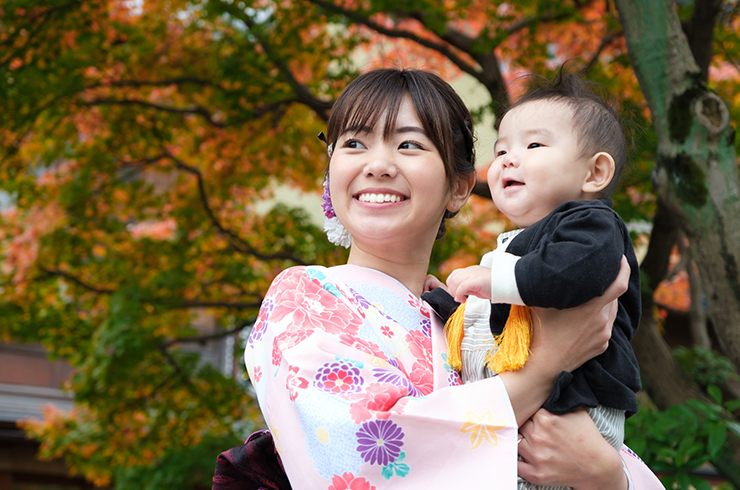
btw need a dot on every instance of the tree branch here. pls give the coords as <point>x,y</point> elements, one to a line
<point>76,280</point>
<point>202,339</point>
<point>197,110</point>
<point>239,244</point>
<point>608,38</point>
<point>159,83</point>
<point>442,49</point>
<point>701,32</point>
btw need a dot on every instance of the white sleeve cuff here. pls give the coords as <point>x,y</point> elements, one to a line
<point>503,279</point>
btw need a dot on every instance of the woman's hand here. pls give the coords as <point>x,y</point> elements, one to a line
<point>570,337</point>
<point>567,450</point>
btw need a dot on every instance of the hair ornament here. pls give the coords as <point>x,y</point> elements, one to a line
<point>329,146</point>
<point>335,231</point>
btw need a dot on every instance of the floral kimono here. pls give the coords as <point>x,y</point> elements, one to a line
<point>351,376</point>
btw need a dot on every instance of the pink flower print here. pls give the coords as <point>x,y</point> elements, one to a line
<point>313,307</point>
<point>422,378</point>
<point>387,331</point>
<point>292,336</point>
<point>413,301</point>
<point>376,399</point>
<point>363,345</point>
<point>421,347</point>
<point>293,383</point>
<point>339,377</point>
<point>424,311</point>
<point>348,482</point>
<point>257,376</point>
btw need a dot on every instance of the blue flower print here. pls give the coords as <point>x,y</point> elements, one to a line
<point>330,434</point>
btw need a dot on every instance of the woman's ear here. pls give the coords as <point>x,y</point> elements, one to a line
<point>600,173</point>
<point>461,192</point>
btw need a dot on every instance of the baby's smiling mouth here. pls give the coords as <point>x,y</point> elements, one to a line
<point>379,197</point>
<point>511,182</point>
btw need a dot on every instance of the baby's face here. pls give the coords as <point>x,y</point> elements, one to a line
<point>537,165</point>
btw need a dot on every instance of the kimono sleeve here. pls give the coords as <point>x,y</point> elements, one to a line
<point>639,475</point>
<point>345,415</point>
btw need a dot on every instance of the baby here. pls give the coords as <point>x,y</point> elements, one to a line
<point>559,154</point>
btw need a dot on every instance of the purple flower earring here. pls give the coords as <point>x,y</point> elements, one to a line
<point>335,231</point>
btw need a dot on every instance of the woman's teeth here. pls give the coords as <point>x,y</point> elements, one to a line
<point>380,198</point>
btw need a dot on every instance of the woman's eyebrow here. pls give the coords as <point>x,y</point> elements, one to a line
<point>411,129</point>
<point>356,130</point>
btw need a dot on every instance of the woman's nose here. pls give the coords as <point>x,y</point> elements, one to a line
<point>381,162</point>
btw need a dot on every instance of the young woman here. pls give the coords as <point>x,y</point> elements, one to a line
<point>349,365</point>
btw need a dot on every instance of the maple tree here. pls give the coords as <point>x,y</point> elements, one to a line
<point>140,141</point>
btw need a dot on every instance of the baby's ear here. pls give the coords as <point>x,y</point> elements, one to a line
<point>600,173</point>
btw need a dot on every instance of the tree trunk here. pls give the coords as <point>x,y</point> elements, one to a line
<point>696,178</point>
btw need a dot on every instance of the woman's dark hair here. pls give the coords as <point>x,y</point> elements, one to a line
<point>442,114</point>
<point>595,116</point>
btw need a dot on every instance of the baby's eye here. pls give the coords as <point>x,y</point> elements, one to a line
<point>535,145</point>
<point>410,145</point>
<point>500,153</point>
<point>353,144</point>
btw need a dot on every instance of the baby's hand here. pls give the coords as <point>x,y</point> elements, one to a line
<point>431,283</point>
<point>475,280</point>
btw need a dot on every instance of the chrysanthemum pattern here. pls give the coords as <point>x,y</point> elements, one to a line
<point>379,441</point>
<point>339,377</point>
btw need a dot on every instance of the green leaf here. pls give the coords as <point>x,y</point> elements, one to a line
<point>715,393</point>
<point>717,436</point>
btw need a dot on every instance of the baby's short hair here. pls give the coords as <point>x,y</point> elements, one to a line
<point>595,117</point>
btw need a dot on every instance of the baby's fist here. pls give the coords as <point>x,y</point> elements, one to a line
<point>475,280</point>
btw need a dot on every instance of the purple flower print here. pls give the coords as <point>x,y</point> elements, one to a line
<point>395,379</point>
<point>259,327</point>
<point>339,377</point>
<point>379,441</point>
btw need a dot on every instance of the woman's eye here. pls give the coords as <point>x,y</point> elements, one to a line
<point>410,145</point>
<point>353,144</point>
<point>534,145</point>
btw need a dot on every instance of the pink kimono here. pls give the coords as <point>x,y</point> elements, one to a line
<point>351,375</point>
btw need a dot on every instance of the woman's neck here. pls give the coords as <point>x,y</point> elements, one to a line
<point>409,268</point>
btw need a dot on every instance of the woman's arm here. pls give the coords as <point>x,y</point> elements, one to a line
<point>564,339</point>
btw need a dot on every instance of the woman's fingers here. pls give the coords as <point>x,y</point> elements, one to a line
<point>567,450</point>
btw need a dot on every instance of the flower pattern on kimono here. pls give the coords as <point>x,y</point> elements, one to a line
<point>330,436</point>
<point>260,325</point>
<point>422,378</point>
<point>292,336</point>
<point>339,377</point>
<point>376,399</point>
<point>385,376</point>
<point>257,376</point>
<point>312,306</point>
<point>366,346</point>
<point>348,481</point>
<point>293,383</point>
<point>453,379</point>
<point>380,441</point>
<point>420,346</point>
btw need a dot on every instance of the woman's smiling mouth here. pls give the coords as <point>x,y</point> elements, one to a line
<point>379,198</point>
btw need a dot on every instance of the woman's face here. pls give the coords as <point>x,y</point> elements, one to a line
<point>390,190</point>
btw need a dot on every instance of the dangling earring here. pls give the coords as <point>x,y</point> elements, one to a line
<point>335,231</point>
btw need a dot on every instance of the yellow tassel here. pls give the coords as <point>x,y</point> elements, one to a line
<point>513,343</point>
<point>454,331</point>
